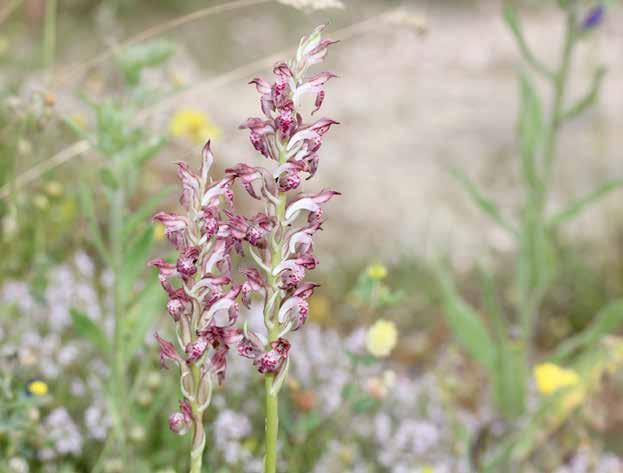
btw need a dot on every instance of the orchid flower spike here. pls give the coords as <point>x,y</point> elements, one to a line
<point>204,288</point>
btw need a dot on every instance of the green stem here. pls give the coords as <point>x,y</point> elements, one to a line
<point>272,324</point>
<point>535,216</point>
<point>49,33</point>
<point>272,426</point>
<point>199,437</point>
<point>117,210</point>
<point>199,440</point>
<point>272,399</point>
<point>560,82</point>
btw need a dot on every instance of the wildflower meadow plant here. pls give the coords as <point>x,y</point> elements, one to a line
<point>204,305</point>
<point>506,347</point>
<point>124,242</point>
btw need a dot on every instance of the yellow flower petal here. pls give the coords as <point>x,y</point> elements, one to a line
<point>381,338</point>
<point>377,271</point>
<point>550,378</point>
<point>193,125</point>
<point>38,388</point>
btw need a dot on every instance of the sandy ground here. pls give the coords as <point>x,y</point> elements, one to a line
<point>412,106</point>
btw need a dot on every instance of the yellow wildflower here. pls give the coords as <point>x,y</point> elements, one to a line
<point>377,271</point>
<point>381,338</point>
<point>550,378</point>
<point>194,125</point>
<point>38,388</point>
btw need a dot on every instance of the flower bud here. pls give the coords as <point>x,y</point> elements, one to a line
<point>593,18</point>
<point>177,423</point>
<point>289,181</point>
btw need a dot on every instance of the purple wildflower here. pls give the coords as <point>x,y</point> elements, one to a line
<point>594,17</point>
<point>204,288</point>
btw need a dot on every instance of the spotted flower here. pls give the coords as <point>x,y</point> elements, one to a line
<point>204,286</point>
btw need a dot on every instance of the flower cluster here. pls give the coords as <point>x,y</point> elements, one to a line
<point>204,302</point>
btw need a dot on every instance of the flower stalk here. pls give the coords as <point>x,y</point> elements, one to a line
<point>204,303</point>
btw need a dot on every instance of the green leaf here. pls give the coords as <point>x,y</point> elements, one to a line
<point>606,322</point>
<point>365,404</point>
<point>145,211</point>
<point>465,323</point>
<point>509,378</point>
<point>350,391</point>
<point>280,378</point>
<point>136,260</point>
<point>137,57</point>
<point>308,422</point>
<point>537,261</point>
<point>113,127</point>
<point>365,359</point>
<point>85,327</point>
<point>583,203</point>
<point>135,156</point>
<point>88,208</point>
<point>108,178</point>
<point>531,130</point>
<point>589,99</point>
<point>141,315</point>
<point>512,20</point>
<point>485,204</point>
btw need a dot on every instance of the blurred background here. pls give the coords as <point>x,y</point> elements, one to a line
<point>388,376</point>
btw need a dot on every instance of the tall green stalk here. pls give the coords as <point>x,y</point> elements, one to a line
<point>199,437</point>
<point>49,32</point>
<point>272,421</point>
<point>119,391</point>
<point>534,222</point>
<point>272,398</point>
